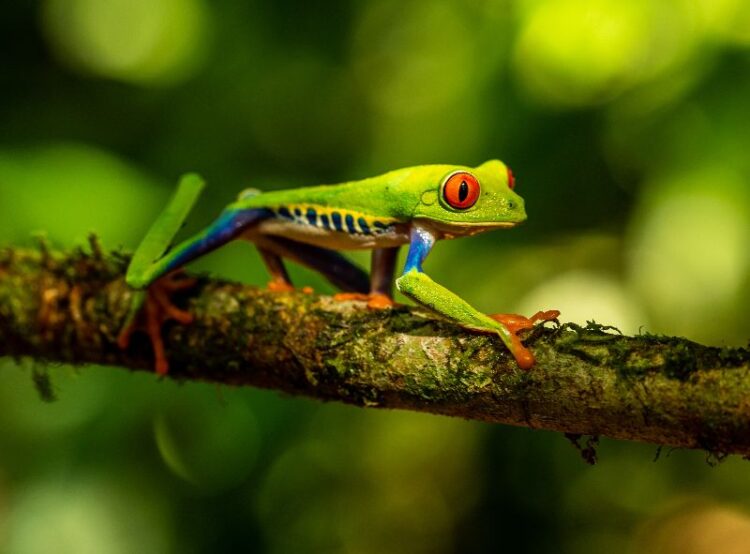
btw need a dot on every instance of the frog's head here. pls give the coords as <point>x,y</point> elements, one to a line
<point>470,200</point>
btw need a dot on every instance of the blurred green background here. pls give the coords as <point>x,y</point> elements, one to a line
<point>628,127</point>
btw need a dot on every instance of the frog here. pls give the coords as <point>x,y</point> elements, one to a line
<point>414,207</point>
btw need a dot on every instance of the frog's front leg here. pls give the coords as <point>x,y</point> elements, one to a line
<point>382,270</point>
<point>280,281</point>
<point>415,284</point>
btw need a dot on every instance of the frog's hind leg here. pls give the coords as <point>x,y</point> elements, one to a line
<point>339,271</point>
<point>381,280</point>
<point>280,281</point>
<point>157,309</point>
<point>160,279</point>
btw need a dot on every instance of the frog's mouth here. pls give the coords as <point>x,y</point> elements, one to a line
<point>453,230</point>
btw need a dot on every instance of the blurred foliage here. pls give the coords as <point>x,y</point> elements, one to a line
<point>626,124</point>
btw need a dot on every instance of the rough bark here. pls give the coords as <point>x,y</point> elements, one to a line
<point>591,380</point>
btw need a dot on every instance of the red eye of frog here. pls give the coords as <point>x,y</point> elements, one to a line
<point>461,190</point>
<point>511,180</point>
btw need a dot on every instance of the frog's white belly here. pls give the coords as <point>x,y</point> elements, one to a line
<point>395,234</point>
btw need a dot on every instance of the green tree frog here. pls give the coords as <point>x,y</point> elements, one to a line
<point>416,206</point>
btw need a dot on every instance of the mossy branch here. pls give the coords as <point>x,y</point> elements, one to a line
<point>69,308</point>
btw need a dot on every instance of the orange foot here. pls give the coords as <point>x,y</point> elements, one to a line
<point>375,300</point>
<point>515,323</point>
<point>279,286</point>
<point>158,309</point>
<point>283,286</point>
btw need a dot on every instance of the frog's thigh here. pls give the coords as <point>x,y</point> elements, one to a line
<point>332,265</point>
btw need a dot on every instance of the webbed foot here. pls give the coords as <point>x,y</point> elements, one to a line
<point>158,309</point>
<point>375,300</point>
<point>516,323</point>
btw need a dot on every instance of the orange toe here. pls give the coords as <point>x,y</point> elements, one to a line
<point>524,358</point>
<point>549,315</point>
<point>516,323</point>
<point>169,310</point>
<point>154,321</point>
<point>379,301</point>
<point>175,282</point>
<point>123,339</point>
<point>280,286</point>
<point>347,296</point>
<point>157,309</point>
<point>513,322</point>
<point>375,301</point>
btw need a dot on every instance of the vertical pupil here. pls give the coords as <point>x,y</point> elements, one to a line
<point>463,191</point>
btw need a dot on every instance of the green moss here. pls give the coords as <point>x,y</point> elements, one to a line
<point>680,361</point>
<point>342,368</point>
<point>674,357</point>
<point>588,377</point>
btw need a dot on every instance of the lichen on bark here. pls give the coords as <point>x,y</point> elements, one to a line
<point>69,307</point>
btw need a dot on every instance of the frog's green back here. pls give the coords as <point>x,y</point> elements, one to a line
<point>393,195</point>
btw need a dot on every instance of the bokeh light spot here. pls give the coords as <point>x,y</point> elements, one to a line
<point>727,20</point>
<point>416,56</point>
<point>585,52</point>
<point>695,526</point>
<point>85,401</point>
<point>689,256</point>
<point>583,295</point>
<point>99,191</point>
<point>400,484</point>
<point>580,51</point>
<point>138,41</point>
<point>199,442</point>
<point>91,516</point>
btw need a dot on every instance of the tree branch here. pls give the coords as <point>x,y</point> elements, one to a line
<point>69,308</point>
